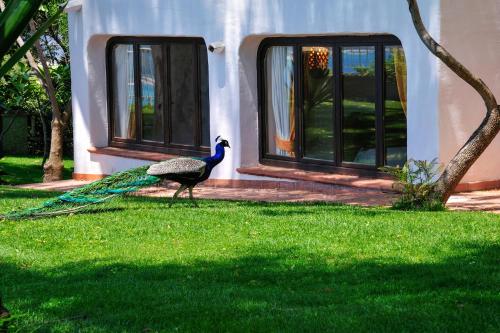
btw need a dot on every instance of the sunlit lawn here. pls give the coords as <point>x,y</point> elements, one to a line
<point>27,169</point>
<point>240,266</point>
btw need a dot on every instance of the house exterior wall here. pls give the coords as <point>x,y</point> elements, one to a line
<point>241,25</point>
<point>470,30</point>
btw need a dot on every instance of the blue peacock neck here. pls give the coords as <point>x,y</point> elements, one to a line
<point>212,161</point>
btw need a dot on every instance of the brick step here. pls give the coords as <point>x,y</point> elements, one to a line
<point>320,179</point>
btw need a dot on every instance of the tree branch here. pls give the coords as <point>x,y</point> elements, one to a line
<point>483,135</point>
<point>51,91</point>
<point>449,60</point>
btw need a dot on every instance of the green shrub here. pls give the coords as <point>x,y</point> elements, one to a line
<point>416,181</point>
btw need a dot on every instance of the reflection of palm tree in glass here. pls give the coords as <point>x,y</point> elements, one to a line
<point>318,103</point>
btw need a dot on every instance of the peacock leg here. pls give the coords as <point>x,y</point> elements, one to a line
<point>176,194</point>
<point>191,196</point>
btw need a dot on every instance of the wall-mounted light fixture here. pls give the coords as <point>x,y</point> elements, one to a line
<point>216,47</point>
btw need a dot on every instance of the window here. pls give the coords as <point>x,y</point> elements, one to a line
<point>158,94</point>
<point>333,102</point>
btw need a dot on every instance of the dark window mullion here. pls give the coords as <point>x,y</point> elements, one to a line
<point>379,104</point>
<point>338,104</point>
<point>297,73</point>
<point>110,92</point>
<point>165,97</point>
<point>137,89</point>
<point>168,106</point>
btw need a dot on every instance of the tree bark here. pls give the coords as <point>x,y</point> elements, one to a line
<point>54,167</point>
<point>44,133</point>
<point>456,169</point>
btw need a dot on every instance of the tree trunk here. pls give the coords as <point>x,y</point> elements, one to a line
<point>44,133</point>
<point>483,135</point>
<point>54,167</point>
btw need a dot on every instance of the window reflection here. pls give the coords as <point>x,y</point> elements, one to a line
<point>395,106</point>
<point>359,88</point>
<point>181,67</point>
<point>151,93</point>
<point>318,102</point>
<point>346,92</point>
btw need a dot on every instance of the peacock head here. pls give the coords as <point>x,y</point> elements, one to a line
<point>222,142</point>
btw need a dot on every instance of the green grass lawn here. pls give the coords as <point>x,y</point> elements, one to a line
<point>27,169</point>
<point>241,266</point>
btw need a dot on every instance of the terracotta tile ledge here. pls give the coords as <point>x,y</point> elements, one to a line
<point>320,177</point>
<point>128,153</point>
<point>478,186</point>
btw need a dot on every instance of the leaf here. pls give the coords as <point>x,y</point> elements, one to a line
<point>29,43</point>
<point>13,20</point>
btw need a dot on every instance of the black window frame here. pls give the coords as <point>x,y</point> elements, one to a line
<point>336,43</point>
<point>145,145</point>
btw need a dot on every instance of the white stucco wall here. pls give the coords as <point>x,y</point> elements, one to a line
<point>241,25</point>
<point>470,30</point>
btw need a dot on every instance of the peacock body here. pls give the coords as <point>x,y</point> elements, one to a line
<point>187,171</point>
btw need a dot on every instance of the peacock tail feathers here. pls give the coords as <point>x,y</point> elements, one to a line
<point>83,197</point>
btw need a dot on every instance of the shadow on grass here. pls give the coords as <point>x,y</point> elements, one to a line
<point>8,192</point>
<point>270,209</point>
<point>263,292</point>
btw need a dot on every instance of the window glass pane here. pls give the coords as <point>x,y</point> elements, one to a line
<point>358,87</point>
<point>280,104</point>
<point>151,92</point>
<point>318,102</point>
<point>123,91</point>
<point>395,106</point>
<point>182,68</point>
<point>204,97</point>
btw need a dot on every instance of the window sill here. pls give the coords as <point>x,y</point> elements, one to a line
<point>320,177</point>
<point>134,154</point>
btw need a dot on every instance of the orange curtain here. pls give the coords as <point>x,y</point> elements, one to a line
<point>400,72</point>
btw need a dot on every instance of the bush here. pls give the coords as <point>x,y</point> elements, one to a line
<point>416,181</point>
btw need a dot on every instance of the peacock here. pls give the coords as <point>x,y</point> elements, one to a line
<point>187,171</point>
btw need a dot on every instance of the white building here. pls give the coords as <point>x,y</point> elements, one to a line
<point>337,86</point>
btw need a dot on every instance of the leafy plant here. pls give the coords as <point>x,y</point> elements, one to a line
<point>13,20</point>
<point>320,83</point>
<point>365,71</point>
<point>417,182</point>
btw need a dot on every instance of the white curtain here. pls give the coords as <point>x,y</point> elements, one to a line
<point>124,96</point>
<point>282,98</point>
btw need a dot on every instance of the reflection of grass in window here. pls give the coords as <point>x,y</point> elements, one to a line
<point>318,118</point>
<point>395,132</point>
<point>359,128</point>
<point>319,132</point>
<point>148,118</point>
